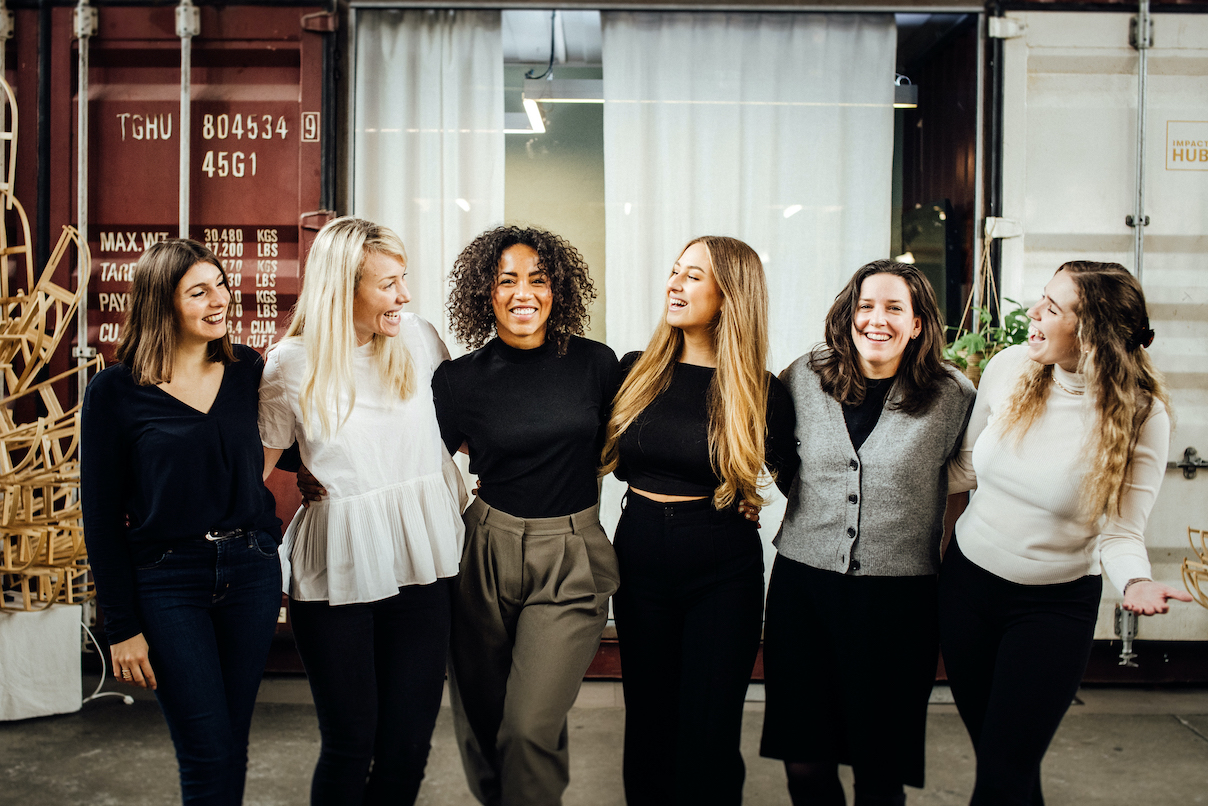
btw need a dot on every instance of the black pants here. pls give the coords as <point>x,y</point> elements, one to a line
<point>688,616</point>
<point>377,672</point>
<point>1015,655</point>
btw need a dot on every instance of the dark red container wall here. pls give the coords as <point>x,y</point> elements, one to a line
<point>254,162</point>
<point>254,154</point>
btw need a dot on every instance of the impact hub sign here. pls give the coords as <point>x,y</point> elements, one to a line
<point>1187,145</point>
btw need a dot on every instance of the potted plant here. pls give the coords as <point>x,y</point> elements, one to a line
<point>972,350</point>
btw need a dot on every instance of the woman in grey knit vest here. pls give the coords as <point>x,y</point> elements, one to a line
<point>850,637</point>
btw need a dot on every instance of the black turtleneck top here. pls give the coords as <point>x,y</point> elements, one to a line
<point>534,422</point>
<point>861,419</point>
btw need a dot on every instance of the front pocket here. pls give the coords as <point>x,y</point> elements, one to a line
<point>155,564</point>
<point>261,539</point>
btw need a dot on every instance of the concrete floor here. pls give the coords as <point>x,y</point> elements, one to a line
<point>1116,746</point>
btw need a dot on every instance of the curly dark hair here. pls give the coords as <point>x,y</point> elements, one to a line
<point>471,315</point>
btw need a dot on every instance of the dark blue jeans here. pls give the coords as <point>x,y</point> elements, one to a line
<point>209,611</point>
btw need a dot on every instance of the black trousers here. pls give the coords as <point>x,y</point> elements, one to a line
<point>377,672</point>
<point>1015,655</point>
<point>688,614</point>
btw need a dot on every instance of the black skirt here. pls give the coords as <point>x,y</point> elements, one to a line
<point>849,662</point>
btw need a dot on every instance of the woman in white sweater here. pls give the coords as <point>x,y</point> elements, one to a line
<point>371,563</point>
<point>1067,448</point>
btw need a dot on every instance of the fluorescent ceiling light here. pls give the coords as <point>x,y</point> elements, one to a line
<point>527,122</point>
<point>794,209</point>
<point>905,96</point>
<point>565,90</point>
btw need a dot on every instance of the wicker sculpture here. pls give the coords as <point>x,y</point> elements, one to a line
<point>42,555</point>
<point>1195,574</point>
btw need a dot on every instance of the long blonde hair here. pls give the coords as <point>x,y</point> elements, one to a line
<point>323,319</point>
<point>738,393</point>
<point>1113,332</point>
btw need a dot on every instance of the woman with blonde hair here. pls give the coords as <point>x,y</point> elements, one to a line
<point>370,564</point>
<point>695,423</point>
<point>1067,448</point>
<point>175,509</point>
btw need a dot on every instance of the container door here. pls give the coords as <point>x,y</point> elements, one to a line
<point>1069,167</point>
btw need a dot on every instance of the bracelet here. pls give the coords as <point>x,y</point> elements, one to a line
<point>1130,582</point>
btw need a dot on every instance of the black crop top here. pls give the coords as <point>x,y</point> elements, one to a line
<point>666,449</point>
<point>534,422</point>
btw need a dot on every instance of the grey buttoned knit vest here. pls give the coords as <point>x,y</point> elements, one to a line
<point>879,512</point>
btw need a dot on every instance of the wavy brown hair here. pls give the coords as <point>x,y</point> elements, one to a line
<point>922,368</point>
<point>151,331</point>
<point>738,393</point>
<point>1113,332</point>
<point>471,316</point>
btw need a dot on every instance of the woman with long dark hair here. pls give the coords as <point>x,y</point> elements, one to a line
<point>696,422</point>
<point>1067,449</point>
<point>850,641</point>
<point>182,534</point>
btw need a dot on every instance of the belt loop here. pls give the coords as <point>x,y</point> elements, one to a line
<point>486,512</point>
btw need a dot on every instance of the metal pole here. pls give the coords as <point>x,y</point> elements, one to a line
<point>85,26</point>
<point>6,31</point>
<point>979,193</point>
<point>188,25</point>
<point>1142,41</point>
<point>41,245</point>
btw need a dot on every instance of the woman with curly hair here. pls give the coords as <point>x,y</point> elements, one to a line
<point>854,581</point>
<point>1067,448</point>
<point>695,423</point>
<point>529,405</point>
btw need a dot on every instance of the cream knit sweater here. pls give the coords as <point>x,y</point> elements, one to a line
<point>1022,523</point>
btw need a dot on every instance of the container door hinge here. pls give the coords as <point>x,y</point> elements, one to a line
<point>1130,221</point>
<point>188,19</point>
<point>1003,227</point>
<point>1004,28</point>
<point>6,24</point>
<point>322,22</point>
<point>84,21</point>
<point>1132,34</point>
<point>83,352</point>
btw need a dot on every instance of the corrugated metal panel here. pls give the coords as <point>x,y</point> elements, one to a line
<point>1069,177</point>
<point>256,83</point>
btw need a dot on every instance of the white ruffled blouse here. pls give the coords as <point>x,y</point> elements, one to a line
<point>392,516</point>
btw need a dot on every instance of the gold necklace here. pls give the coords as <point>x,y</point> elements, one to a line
<point>1067,390</point>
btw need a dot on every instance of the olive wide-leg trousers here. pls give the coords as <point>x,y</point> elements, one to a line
<point>530,604</point>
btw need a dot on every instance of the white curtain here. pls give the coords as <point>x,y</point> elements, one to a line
<point>428,147</point>
<point>773,128</point>
<point>724,123</point>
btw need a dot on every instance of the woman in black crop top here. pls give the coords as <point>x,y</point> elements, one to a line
<point>182,534</point>
<point>694,425</point>
<point>532,597</point>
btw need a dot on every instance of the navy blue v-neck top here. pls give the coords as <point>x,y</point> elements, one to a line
<point>155,471</point>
